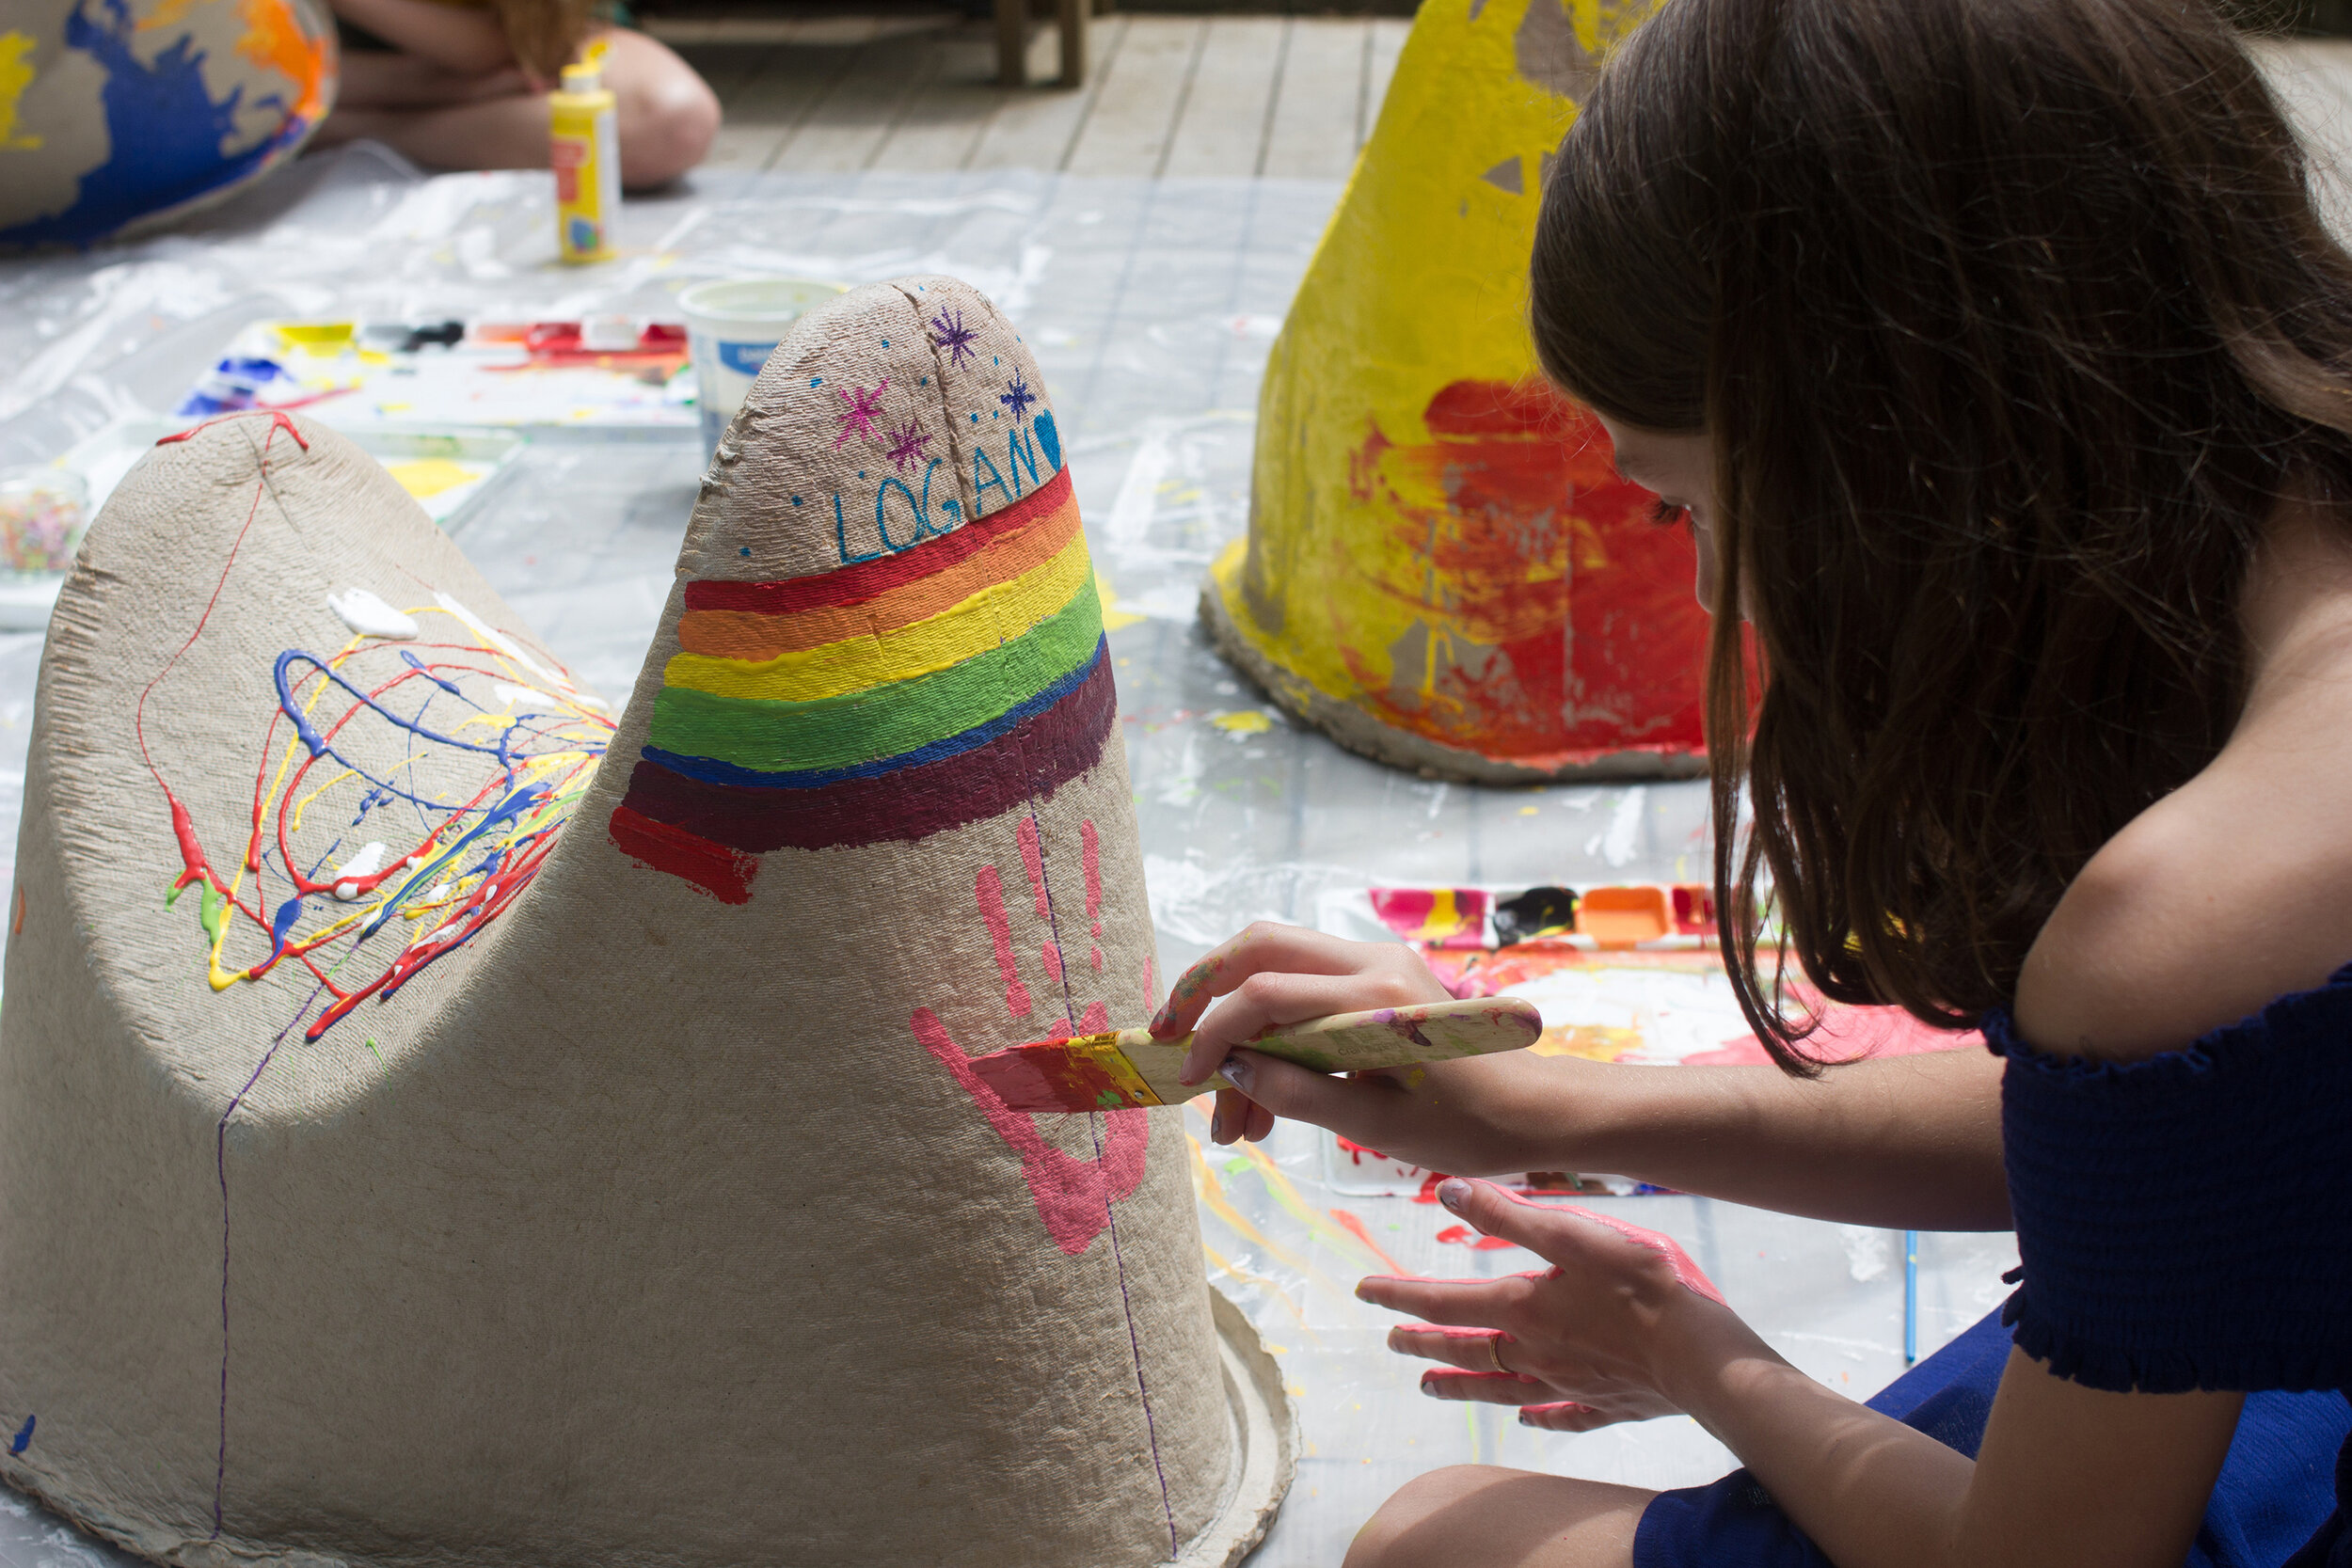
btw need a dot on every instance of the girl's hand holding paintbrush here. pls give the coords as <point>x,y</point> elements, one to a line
<point>1480,1114</point>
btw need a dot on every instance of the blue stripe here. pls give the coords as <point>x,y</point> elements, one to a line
<point>712,771</point>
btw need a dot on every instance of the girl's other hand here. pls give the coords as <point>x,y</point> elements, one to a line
<point>1458,1116</point>
<point>1620,1320</point>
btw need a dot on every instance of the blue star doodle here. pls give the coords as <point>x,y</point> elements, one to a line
<point>954,337</point>
<point>1017,397</point>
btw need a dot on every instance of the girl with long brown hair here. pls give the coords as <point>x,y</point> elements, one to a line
<point>1999,359</point>
<point>463,84</point>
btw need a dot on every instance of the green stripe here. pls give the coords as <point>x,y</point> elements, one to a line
<point>880,720</point>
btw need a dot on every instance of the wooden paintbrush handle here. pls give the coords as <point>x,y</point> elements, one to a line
<point>1356,1043</point>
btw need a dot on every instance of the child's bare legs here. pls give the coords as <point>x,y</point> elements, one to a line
<point>1483,1516</point>
<point>667,113</point>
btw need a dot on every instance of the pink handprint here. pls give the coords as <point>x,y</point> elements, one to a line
<point>1073,1195</point>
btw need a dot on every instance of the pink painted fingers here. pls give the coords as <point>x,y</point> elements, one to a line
<point>1479,1114</point>
<point>1601,1337</point>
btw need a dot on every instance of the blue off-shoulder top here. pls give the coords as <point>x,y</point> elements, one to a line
<point>2185,1222</point>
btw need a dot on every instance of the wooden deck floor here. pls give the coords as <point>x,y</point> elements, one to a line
<point>1225,95</point>
<point>1275,97</point>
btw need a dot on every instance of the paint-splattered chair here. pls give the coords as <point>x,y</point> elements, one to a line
<point>118,114</point>
<point>442,1120</point>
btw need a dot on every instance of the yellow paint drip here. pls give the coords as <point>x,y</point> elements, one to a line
<point>16,75</point>
<point>1249,720</point>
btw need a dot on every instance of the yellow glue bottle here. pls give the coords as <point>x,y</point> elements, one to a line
<point>584,147</point>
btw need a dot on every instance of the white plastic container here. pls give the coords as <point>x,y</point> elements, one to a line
<point>731,327</point>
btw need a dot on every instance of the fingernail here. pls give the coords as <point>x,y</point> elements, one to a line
<point>1217,1125</point>
<point>1454,1192</point>
<point>1237,1073</point>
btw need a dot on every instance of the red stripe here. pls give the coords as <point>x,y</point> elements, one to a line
<point>854,584</point>
<point>725,874</point>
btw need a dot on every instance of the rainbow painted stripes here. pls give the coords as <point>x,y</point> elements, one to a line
<point>892,699</point>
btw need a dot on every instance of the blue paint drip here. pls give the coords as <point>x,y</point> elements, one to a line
<point>505,811</point>
<point>418,665</point>
<point>164,133</point>
<point>317,743</point>
<point>288,912</point>
<point>1048,436</point>
<point>24,1439</point>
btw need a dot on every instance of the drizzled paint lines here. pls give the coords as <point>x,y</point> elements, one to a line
<point>889,700</point>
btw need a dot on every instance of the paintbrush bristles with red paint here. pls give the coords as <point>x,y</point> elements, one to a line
<point>1112,1071</point>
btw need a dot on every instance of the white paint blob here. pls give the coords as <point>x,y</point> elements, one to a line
<point>369,859</point>
<point>370,617</point>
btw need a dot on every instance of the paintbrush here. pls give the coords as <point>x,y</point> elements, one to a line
<point>1127,1067</point>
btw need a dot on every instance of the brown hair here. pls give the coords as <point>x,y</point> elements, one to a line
<point>545,35</point>
<point>2010,321</point>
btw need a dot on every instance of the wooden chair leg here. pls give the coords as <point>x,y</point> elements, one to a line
<point>1012,43</point>
<point>1071,17</point>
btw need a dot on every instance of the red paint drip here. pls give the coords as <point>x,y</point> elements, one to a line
<point>1095,958</point>
<point>485,904</point>
<point>1073,1195</point>
<point>1052,955</point>
<point>1091,854</point>
<point>1462,1235</point>
<point>1033,862</point>
<point>1096,1019</point>
<point>1151,984</point>
<point>1356,1229</point>
<point>990,889</point>
<point>725,874</point>
<point>278,421</point>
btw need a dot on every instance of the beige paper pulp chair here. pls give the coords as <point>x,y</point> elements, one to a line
<point>442,1120</point>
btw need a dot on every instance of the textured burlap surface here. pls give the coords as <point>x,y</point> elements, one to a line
<point>644,1226</point>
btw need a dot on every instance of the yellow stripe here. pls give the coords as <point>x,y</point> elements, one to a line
<point>995,614</point>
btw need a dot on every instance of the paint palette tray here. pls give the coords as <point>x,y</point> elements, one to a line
<point>450,472</point>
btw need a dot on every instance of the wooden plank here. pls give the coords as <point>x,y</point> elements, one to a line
<point>1314,133</point>
<point>1142,87</point>
<point>727,71</point>
<point>1382,48</point>
<point>847,127</point>
<point>1222,130</point>
<point>762,111</point>
<point>944,121</point>
<point>1012,55</point>
<point>1037,127</point>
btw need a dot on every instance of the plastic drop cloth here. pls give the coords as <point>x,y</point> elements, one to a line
<point>1151,307</point>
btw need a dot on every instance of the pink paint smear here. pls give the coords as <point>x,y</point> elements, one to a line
<point>1073,1197</point>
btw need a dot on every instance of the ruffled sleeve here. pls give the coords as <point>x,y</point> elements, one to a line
<point>2185,1222</point>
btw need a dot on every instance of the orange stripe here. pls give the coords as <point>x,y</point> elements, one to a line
<point>749,635</point>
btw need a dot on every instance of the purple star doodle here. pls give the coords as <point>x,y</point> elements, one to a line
<point>864,406</point>
<point>1017,397</point>
<point>907,445</point>
<point>954,337</point>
